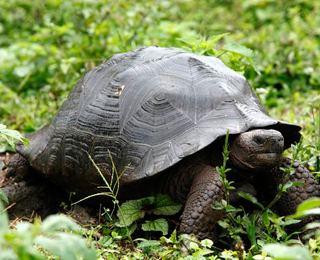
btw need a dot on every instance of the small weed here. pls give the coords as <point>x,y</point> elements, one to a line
<point>11,137</point>
<point>112,186</point>
<point>160,204</point>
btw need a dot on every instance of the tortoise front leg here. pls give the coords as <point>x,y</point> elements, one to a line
<point>18,168</point>
<point>198,216</point>
<point>290,200</point>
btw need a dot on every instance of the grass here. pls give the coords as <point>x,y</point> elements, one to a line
<point>46,46</point>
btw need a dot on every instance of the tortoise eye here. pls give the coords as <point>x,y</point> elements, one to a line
<point>258,140</point>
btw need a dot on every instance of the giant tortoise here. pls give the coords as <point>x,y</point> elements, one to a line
<point>159,117</point>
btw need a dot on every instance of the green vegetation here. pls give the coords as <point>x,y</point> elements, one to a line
<point>52,237</point>
<point>46,46</point>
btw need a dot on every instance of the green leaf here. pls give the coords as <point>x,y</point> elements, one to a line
<point>194,246</point>
<point>308,204</point>
<point>129,212</point>
<point>67,247</point>
<point>250,198</point>
<point>290,221</point>
<point>315,211</point>
<point>207,243</point>
<point>12,136</point>
<point>307,207</point>
<point>3,197</point>
<point>129,230</point>
<point>238,48</point>
<point>313,225</point>
<point>283,252</point>
<point>202,252</point>
<point>165,205</point>
<point>133,210</point>
<point>173,237</point>
<point>219,205</point>
<point>231,209</point>
<point>156,225</point>
<point>149,243</point>
<point>251,231</point>
<point>243,51</point>
<point>223,223</point>
<point>55,223</point>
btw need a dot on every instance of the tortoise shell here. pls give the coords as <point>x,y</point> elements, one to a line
<point>143,111</point>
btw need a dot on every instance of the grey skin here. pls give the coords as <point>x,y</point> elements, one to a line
<point>255,159</point>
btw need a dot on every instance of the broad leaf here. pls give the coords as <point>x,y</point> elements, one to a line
<point>156,225</point>
<point>67,247</point>
<point>58,223</point>
<point>164,205</point>
<point>148,243</point>
<point>283,252</point>
<point>133,210</point>
<point>129,212</point>
<point>193,245</point>
<point>207,243</point>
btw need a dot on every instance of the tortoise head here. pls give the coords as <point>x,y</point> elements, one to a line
<point>257,150</point>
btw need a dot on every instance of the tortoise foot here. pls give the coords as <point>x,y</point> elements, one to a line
<point>198,217</point>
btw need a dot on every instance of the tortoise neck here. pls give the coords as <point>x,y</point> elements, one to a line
<point>180,177</point>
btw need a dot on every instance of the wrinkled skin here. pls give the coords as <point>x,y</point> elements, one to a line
<point>255,159</point>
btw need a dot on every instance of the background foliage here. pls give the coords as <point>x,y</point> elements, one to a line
<point>46,46</point>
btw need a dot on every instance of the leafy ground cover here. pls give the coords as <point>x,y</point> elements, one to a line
<point>46,46</point>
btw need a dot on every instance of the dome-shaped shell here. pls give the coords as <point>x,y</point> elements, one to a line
<point>146,109</point>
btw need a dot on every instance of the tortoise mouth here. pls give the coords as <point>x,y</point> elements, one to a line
<point>264,161</point>
<point>268,158</point>
<point>258,162</point>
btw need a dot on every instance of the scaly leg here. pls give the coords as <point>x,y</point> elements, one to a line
<point>290,200</point>
<point>198,216</point>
